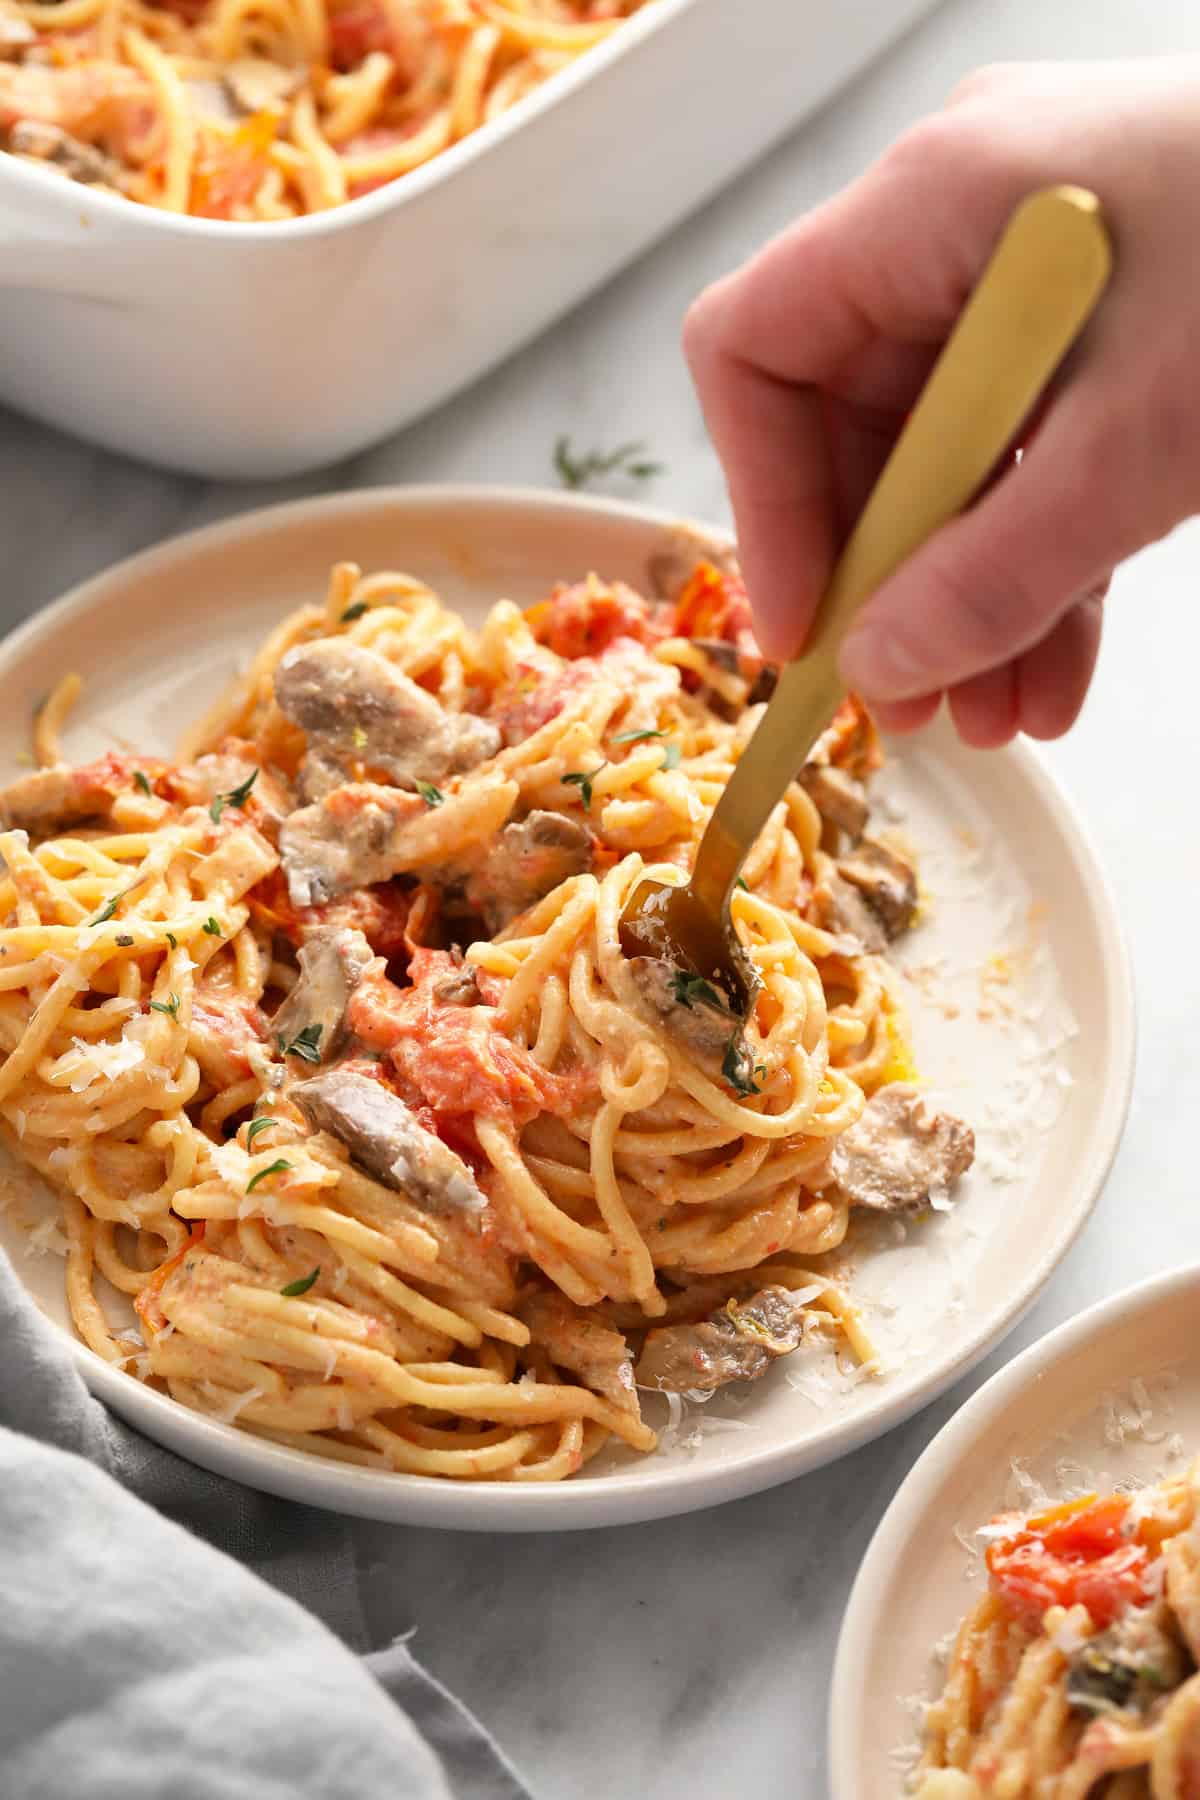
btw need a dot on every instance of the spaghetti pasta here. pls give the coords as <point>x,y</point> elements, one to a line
<point>1075,1674</point>
<point>325,1036</point>
<point>267,109</point>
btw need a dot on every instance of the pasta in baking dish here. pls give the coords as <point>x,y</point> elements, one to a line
<point>1075,1674</point>
<point>324,1035</point>
<point>266,109</point>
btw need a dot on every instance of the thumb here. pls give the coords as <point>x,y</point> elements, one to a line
<point>995,581</point>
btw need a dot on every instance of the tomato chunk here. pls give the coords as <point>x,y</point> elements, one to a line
<point>714,604</point>
<point>1073,1555</point>
<point>586,617</point>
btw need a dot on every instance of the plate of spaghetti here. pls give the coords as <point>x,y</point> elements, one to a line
<point>224,110</point>
<point>1043,1555</point>
<point>379,1173</point>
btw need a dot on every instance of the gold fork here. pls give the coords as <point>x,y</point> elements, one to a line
<point>1030,304</point>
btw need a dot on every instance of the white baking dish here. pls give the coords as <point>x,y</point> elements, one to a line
<point>263,350</point>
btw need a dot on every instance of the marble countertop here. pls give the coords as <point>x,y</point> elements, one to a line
<point>692,1657</point>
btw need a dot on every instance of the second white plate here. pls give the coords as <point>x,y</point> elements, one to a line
<point>1111,1397</point>
<point>1017,981</point>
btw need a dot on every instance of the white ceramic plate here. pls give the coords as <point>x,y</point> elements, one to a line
<point>1111,1397</point>
<point>1038,1056</point>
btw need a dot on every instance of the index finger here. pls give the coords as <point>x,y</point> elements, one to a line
<point>851,302</point>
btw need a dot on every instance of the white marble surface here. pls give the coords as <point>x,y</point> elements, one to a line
<point>692,1657</point>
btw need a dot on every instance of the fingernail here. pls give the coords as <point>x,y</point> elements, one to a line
<point>877,662</point>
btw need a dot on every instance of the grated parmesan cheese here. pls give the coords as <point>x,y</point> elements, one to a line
<point>228,1414</point>
<point>46,1238</point>
<point>99,1062</point>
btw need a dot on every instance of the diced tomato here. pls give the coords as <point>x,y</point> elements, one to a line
<point>453,1059</point>
<point>226,1027</point>
<point>542,685</point>
<point>356,30</point>
<point>380,913</point>
<point>586,617</point>
<point>537,692</point>
<point>1076,1554</point>
<point>229,170</point>
<point>365,25</point>
<point>714,604</point>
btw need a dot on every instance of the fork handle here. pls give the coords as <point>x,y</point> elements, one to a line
<point>1031,302</point>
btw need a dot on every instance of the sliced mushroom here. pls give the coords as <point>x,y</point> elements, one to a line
<point>885,880</point>
<point>738,1342</point>
<point>332,959</point>
<point>43,142</point>
<point>383,1136</point>
<point>837,796</point>
<point>256,85</point>
<point>528,861</point>
<point>900,1151</point>
<point>840,909</point>
<point>692,1012</point>
<point>358,711</point>
<point>595,1352</point>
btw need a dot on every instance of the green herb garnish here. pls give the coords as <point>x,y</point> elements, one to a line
<point>583,779</point>
<point>212,928</point>
<point>430,795</point>
<point>738,1069</point>
<point>264,1122</point>
<point>142,780</point>
<point>170,1007</point>
<point>124,940</point>
<point>742,883</point>
<point>235,797</point>
<point>627,459</point>
<point>636,737</point>
<point>294,1289</point>
<point>354,611</point>
<point>673,754</point>
<point>110,906</point>
<point>687,989</point>
<point>305,1045</point>
<point>172,940</point>
<point>276,1168</point>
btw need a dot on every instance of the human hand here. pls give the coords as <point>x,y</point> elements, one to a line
<point>809,358</point>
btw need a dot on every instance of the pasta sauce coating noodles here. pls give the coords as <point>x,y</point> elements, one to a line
<point>323,1035</point>
<point>268,109</point>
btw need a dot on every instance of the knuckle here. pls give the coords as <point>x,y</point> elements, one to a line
<point>706,324</point>
<point>983,82</point>
<point>923,146</point>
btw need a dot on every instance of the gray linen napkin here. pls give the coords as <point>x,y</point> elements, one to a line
<point>138,1662</point>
